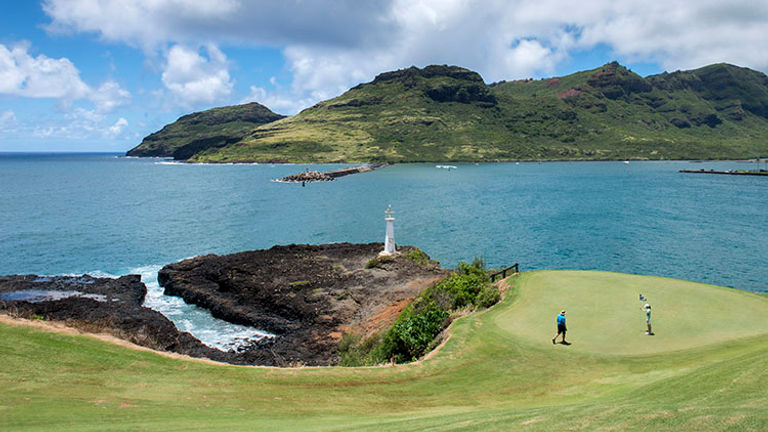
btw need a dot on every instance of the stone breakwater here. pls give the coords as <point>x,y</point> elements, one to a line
<point>312,176</point>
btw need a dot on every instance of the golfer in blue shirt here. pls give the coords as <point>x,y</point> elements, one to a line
<point>561,328</point>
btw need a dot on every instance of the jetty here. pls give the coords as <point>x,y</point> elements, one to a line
<point>312,176</point>
<point>761,172</point>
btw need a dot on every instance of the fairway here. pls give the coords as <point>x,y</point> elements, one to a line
<point>705,370</point>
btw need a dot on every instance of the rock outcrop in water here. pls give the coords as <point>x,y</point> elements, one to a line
<point>105,305</point>
<point>306,295</point>
<point>96,305</point>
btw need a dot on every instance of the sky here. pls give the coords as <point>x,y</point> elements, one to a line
<point>99,75</point>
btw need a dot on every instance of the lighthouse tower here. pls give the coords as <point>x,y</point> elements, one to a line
<point>389,240</point>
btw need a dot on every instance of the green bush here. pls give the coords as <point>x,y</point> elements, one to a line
<point>369,352</point>
<point>418,256</point>
<point>409,338</point>
<point>379,261</point>
<point>461,288</point>
<point>414,331</point>
<point>488,296</point>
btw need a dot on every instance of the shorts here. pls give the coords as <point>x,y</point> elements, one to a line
<point>561,328</point>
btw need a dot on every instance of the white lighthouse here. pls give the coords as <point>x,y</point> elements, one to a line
<point>389,240</point>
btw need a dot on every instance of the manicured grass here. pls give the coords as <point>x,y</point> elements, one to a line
<point>605,317</point>
<point>499,371</point>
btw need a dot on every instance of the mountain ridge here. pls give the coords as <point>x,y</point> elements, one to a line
<point>447,113</point>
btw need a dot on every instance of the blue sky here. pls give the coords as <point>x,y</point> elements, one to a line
<point>99,75</point>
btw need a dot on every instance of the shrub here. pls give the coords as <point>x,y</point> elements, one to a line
<point>379,261</point>
<point>414,331</point>
<point>461,288</point>
<point>354,353</point>
<point>409,338</point>
<point>488,296</point>
<point>348,340</point>
<point>418,256</point>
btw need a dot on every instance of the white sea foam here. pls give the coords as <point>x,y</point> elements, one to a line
<point>199,322</point>
<point>165,162</point>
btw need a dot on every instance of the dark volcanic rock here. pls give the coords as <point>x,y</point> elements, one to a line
<point>96,304</point>
<point>306,295</point>
<point>307,176</point>
<point>103,305</point>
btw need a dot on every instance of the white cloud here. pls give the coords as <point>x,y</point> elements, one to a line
<point>277,101</point>
<point>151,24</point>
<point>118,127</point>
<point>110,95</point>
<point>38,77</point>
<point>329,46</point>
<point>7,121</point>
<point>79,124</point>
<point>193,79</point>
<point>43,77</point>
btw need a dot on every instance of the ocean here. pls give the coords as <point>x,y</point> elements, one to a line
<point>108,215</point>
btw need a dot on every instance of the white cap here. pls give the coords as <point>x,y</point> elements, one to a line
<point>647,306</point>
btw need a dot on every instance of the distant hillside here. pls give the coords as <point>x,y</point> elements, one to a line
<point>435,113</point>
<point>447,113</point>
<point>199,131</point>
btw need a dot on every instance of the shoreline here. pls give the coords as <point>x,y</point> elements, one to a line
<point>121,155</point>
<point>305,296</point>
<point>252,162</point>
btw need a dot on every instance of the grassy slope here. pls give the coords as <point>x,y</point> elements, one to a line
<point>498,372</point>
<point>639,118</point>
<point>391,119</point>
<point>616,115</point>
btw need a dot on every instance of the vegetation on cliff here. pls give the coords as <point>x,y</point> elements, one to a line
<point>447,113</point>
<point>415,331</point>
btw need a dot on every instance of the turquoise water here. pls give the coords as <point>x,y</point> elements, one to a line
<point>103,214</point>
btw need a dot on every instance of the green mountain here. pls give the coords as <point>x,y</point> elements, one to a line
<point>447,113</point>
<point>199,131</point>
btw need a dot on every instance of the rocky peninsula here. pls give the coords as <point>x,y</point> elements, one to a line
<point>308,296</point>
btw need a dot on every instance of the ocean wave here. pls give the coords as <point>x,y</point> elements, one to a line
<point>197,321</point>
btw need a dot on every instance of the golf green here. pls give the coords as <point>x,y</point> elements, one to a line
<point>604,313</point>
<point>704,370</point>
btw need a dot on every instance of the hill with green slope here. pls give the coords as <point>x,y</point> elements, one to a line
<point>430,114</point>
<point>447,113</point>
<point>704,370</point>
<point>199,131</point>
